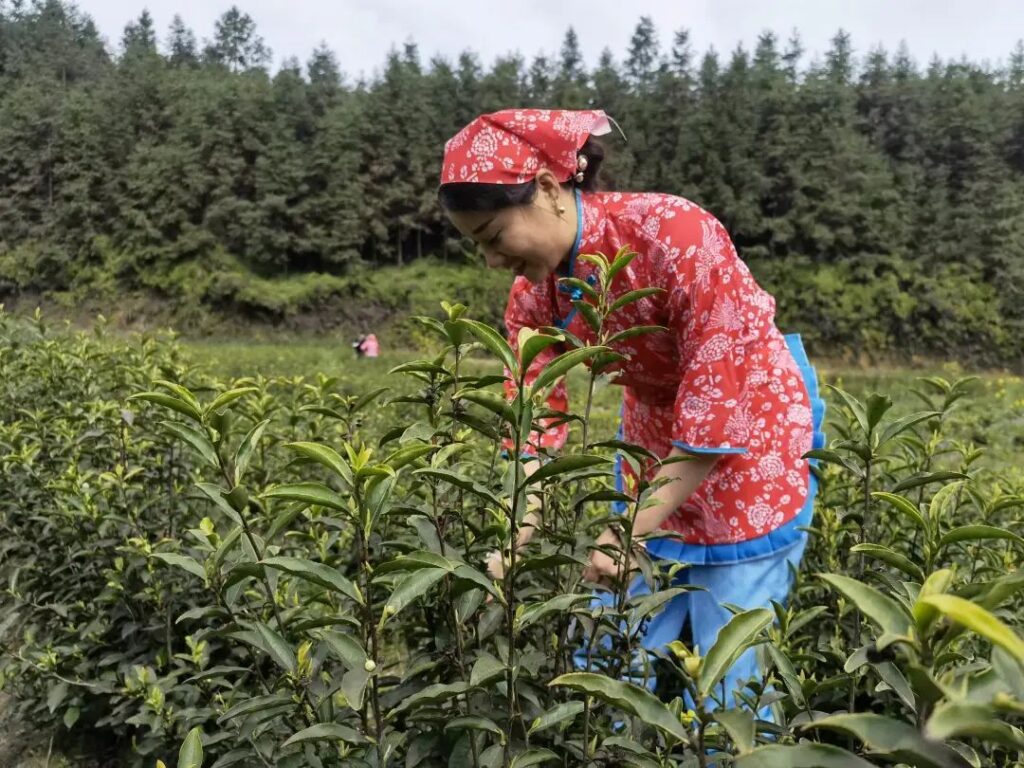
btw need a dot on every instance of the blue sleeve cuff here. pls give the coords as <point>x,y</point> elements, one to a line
<point>703,450</point>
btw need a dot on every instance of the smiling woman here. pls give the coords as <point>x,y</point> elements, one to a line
<point>721,385</point>
<point>528,227</point>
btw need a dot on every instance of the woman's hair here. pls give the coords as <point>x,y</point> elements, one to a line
<point>479,198</point>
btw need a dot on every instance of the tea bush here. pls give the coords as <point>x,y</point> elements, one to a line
<point>280,572</point>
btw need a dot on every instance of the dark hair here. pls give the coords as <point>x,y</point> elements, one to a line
<point>469,196</point>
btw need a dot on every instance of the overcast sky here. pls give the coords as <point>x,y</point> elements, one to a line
<point>362,31</point>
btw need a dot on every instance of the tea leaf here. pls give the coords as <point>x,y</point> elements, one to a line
<point>739,723</point>
<point>733,639</point>
<point>626,696</point>
<point>881,609</point>
<point>326,457</point>
<point>191,753</point>
<point>225,399</point>
<point>631,296</point>
<point>308,493</point>
<point>182,561</point>
<point>198,441</point>
<point>493,341</point>
<point>801,756</point>
<point>316,573</point>
<point>893,738</point>
<point>562,365</point>
<point>564,464</point>
<point>174,403</point>
<point>267,640</point>
<point>978,533</point>
<point>560,714</point>
<point>325,731</point>
<point>246,448</point>
<point>978,620</point>
<point>890,557</point>
<point>409,589</point>
<point>534,756</point>
<point>536,344</point>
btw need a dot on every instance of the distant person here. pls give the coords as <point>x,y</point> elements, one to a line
<point>371,347</point>
<point>723,386</point>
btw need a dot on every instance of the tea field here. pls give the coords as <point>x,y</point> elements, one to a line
<point>273,554</point>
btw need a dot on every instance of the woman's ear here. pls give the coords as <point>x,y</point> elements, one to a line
<point>547,184</point>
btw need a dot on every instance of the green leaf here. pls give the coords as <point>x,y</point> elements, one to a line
<point>324,732</point>
<point>409,589</point>
<point>978,533</point>
<point>562,364</point>
<point>262,704</point>
<point>937,583</point>
<point>536,344</point>
<point>353,685</point>
<point>460,481</point>
<point>197,440</point>
<point>71,715</point>
<point>432,694</point>
<point>732,640</point>
<point>325,456</point>
<point>787,672</point>
<point>890,557</point>
<point>182,561</point>
<point>943,503</point>
<point>583,285</point>
<point>739,723</point>
<point>183,393</point>
<point>56,695</point>
<point>560,714</point>
<point>564,464</point>
<point>630,296</point>
<point>347,648</point>
<point>407,454</point>
<point>492,401</point>
<point>801,756</point>
<point>892,738</point>
<point>262,637</point>
<point>636,330</point>
<point>881,609</point>
<point>926,478</point>
<point>627,697</point>
<point>901,504</point>
<point>534,756</point>
<point>225,399</point>
<point>876,407</point>
<point>317,573</point>
<point>247,448</point>
<point>528,613</point>
<point>590,314</point>
<point>308,493</point>
<point>475,723</point>
<point>493,341</point>
<point>979,621</point>
<point>620,261</point>
<point>216,495</point>
<point>174,403</point>
<point>487,669</point>
<point>901,425</point>
<point>191,753</point>
<point>855,406</point>
<point>962,720</point>
<point>367,398</point>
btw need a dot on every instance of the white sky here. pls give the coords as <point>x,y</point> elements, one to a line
<point>362,31</point>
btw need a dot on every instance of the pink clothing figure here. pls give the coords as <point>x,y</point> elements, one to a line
<point>371,347</point>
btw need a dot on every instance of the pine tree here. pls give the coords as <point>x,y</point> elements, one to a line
<point>181,44</point>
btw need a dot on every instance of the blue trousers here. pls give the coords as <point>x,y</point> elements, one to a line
<point>748,584</point>
<point>749,575</point>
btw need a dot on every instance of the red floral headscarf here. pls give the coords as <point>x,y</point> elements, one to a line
<point>510,146</point>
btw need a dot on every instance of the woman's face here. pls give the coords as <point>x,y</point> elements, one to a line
<point>531,239</point>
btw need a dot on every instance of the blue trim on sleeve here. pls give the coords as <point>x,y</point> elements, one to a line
<point>701,450</point>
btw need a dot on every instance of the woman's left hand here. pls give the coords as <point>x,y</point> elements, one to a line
<point>602,567</point>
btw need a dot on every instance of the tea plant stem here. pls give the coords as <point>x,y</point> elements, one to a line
<point>510,608</point>
<point>372,629</point>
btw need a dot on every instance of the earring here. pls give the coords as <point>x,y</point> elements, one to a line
<point>561,209</point>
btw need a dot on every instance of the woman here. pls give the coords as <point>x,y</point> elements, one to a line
<point>723,386</point>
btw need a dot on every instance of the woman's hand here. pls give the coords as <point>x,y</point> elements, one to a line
<point>602,567</point>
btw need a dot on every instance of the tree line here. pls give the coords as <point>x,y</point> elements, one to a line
<point>881,200</point>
